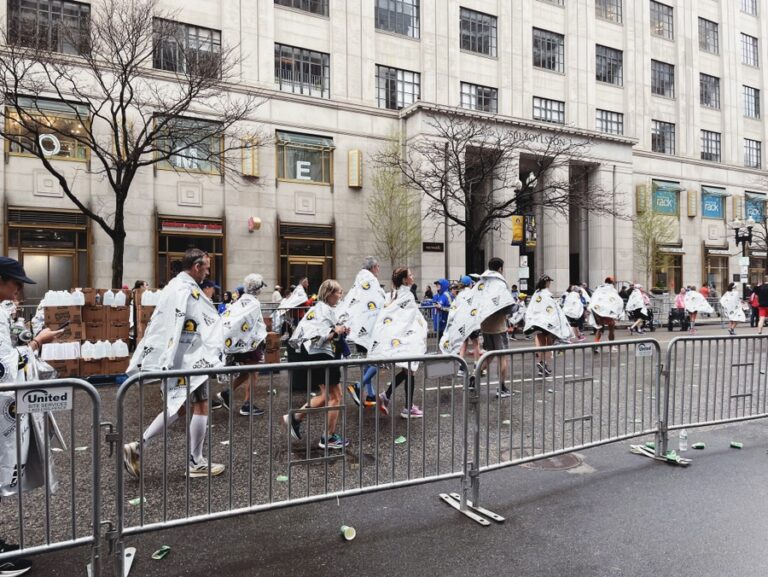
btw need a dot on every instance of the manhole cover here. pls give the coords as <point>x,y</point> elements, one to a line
<point>558,463</point>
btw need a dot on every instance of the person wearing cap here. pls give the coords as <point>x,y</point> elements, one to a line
<point>277,294</point>
<point>494,330</point>
<point>465,284</point>
<point>209,288</point>
<point>17,364</point>
<point>606,307</point>
<point>443,300</point>
<point>244,334</point>
<point>546,320</point>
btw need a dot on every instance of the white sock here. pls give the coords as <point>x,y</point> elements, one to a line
<point>198,425</point>
<point>157,426</point>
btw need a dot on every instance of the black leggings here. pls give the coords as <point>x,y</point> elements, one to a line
<point>402,376</point>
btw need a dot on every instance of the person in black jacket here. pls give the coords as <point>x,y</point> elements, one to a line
<point>762,304</point>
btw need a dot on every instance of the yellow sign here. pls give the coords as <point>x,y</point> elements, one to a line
<point>518,229</point>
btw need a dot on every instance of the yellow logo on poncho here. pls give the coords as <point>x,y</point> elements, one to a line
<point>371,306</point>
<point>387,320</point>
<point>473,312</point>
<point>310,315</point>
<point>245,327</point>
<point>395,343</point>
<point>481,286</point>
<point>538,299</point>
<point>195,294</point>
<point>228,343</point>
<point>549,310</point>
<point>365,286</point>
<point>190,326</point>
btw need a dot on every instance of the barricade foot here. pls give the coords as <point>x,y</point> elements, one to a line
<point>483,511</point>
<point>129,553</point>
<point>456,504</point>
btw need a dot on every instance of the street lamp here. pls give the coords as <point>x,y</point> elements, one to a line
<point>743,233</point>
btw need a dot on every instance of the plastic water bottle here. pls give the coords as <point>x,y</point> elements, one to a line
<point>119,299</point>
<point>78,298</point>
<point>683,441</point>
<point>109,299</point>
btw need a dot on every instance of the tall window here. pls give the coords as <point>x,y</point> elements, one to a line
<point>609,65</point>
<point>749,6</point>
<point>662,79</point>
<point>548,50</point>
<point>314,6</point>
<point>478,32</point>
<point>751,102</point>
<point>304,157</point>
<point>710,145</point>
<point>749,54</point>
<point>478,97</point>
<point>302,71</point>
<point>609,10</point>
<point>709,91</point>
<point>548,110</point>
<point>662,23</point>
<point>63,120</point>
<point>753,153</point>
<point>709,36</point>
<point>398,16</point>
<point>609,122</point>
<point>184,48</point>
<point>663,137</point>
<point>55,25</point>
<point>396,88</point>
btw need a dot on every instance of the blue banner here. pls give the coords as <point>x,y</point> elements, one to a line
<point>754,209</point>
<point>712,206</point>
<point>665,202</point>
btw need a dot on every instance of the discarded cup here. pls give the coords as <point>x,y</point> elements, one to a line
<point>737,445</point>
<point>400,440</point>
<point>137,501</point>
<point>161,553</point>
<point>348,532</point>
<point>698,446</point>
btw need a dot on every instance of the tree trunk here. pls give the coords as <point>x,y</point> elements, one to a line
<point>118,244</point>
<point>474,255</point>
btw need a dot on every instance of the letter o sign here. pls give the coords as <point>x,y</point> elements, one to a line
<point>49,144</point>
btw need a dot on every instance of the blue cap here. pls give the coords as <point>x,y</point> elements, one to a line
<point>465,280</point>
<point>209,284</point>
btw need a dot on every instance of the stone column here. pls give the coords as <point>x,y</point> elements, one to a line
<point>552,256</point>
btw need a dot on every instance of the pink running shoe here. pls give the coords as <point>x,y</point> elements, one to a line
<point>413,413</point>
<point>383,403</point>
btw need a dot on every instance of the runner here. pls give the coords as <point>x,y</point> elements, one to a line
<point>547,321</point>
<point>573,307</point>
<point>606,307</point>
<point>732,306</point>
<point>695,303</point>
<point>637,309</point>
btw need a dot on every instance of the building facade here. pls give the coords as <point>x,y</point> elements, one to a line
<point>669,93</point>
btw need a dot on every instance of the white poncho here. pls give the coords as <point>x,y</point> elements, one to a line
<point>17,365</point>
<point>183,333</point>
<point>545,313</point>
<point>606,302</point>
<point>696,303</point>
<point>489,295</point>
<point>296,299</point>
<point>730,302</point>
<point>361,307</point>
<point>637,302</point>
<point>400,331</point>
<point>519,315</point>
<point>314,330</point>
<point>243,327</point>
<point>573,307</point>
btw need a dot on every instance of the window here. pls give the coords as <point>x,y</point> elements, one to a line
<point>548,50</point>
<point>709,36</point>
<point>753,153</point>
<point>478,97</point>
<point>710,145</point>
<point>398,16</point>
<point>395,88</point>
<point>709,91</point>
<point>184,48</point>
<point>754,206</point>
<point>749,53</point>
<point>304,157</point>
<point>713,202</point>
<point>302,71</point>
<point>609,10</point>
<point>314,6</point>
<point>478,32</point>
<point>662,79</point>
<point>663,137</point>
<point>55,25</point>
<point>662,23</point>
<point>548,110</point>
<point>609,65</point>
<point>749,6</point>
<point>195,144</point>
<point>751,102</point>
<point>609,122</point>
<point>62,120</point>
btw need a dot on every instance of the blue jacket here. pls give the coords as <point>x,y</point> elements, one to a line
<point>443,298</point>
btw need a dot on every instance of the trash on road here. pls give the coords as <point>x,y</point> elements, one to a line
<point>400,440</point>
<point>737,445</point>
<point>161,553</point>
<point>136,501</point>
<point>225,442</point>
<point>81,448</point>
<point>698,446</point>
<point>282,478</point>
<point>348,532</point>
<point>506,422</point>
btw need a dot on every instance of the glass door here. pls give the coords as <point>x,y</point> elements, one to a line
<point>314,269</point>
<point>51,271</point>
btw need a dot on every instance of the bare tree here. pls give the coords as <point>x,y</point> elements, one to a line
<point>393,212</point>
<point>652,230</point>
<point>475,173</point>
<point>138,93</point>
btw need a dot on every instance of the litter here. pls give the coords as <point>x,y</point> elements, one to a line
<point>698,446</point>
<point>161,553</point>
<point>81,449</point>
<point>737,445</point>
<point>282,478</point>
<point>136,501</point>
<point>225,442</point>
<point>506,422</point>
<point>444,415</point>
<point>348,532</point>
<point>400,440</point>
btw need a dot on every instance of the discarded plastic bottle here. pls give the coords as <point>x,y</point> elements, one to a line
<point>683,441</point>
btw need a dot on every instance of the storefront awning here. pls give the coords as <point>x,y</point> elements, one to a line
<point>666,186</point>
<point>714,191</point>
<point>50,106</point>
<point>304,139</point>
<point>755,196</point>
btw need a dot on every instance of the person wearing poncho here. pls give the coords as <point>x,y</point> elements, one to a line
<point>297,298</point>
<point>695,303</point>
<point>605,307</point>
<point>731,304</point>
<point>517,319</point>
<point>244,332</point>
<point>183,333</point>
<point>546,319</point>
<point>400,331</point>
<point>573,307</point>
<point>637,308</point>
<point>20,364</point>
<point>358,311</point>
<point>319,337</point>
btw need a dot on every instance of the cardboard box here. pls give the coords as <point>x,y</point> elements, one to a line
<point>89,294</point>
<point>57,316</point>
<point>116,366</point>
<point>95,314</point>
<point>118,315</point>
<point>272,342</point>
<point>117,331</point>
<point>145,314</point>
<point>96,331</point>
<point>66,369</point>
<point>268,322</point>
<point>89,368</point>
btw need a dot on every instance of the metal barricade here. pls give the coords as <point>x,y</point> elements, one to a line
<point>264,467</point>
<point>714,380</point>
<point>561,399</point>
<point>64,510</point>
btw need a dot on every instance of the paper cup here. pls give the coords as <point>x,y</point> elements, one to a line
<point>348,532</point>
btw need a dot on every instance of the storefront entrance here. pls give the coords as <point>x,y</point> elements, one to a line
<point>306,251</point>
<point>176,235</point>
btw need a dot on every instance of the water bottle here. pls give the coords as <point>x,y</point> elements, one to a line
<point>109,299</point>
<point>683,441</point>
<point>119,299</point>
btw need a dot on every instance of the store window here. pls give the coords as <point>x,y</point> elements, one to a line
<point>195,146</point>
<point>754,207</point>
<point>668,273</point>
<point>55,25</point>
<point>306,251</point>
<point>758,261</point>
<point>52,124</point>
<point>716,269</point>
<point>177,234</point>
<point>666,197</point>
<point>52,246</point>
<point>713,202</point>
<point>304,157</point>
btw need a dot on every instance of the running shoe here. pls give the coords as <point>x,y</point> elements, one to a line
<point>200,468</point>
<point>413,413</point>
<point>333,442</point>
<point>5,546</point>
<point>503,393</point>
<point>370,401</point>
<point>384,403</point>
<point>249,409</point>
<point>354,391</point>
<point>223,398</point>
<point>547,370</point>
<point>294,426</point>
<point>131,460</point>
<point>15,567</point>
